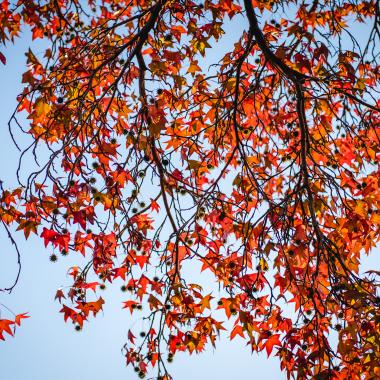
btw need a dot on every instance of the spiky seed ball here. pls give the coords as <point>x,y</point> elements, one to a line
<point>222,215</point>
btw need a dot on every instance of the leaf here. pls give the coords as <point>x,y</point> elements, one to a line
<point>273,341</point>
<point>193,164</point>
<point>131,337</point>
<point>205,303</point>
<point>131,305</point>
<point>49,236</point>
<point>154,205</point>
<point>2,58</point>
<point>68,313</point>
<point>28,226</point>
<point>88,307</point>
<point>237,330</point>
<point>154,302</point>
<point>42,108</point>
<point>120,272</point>
<point>5,327</point>
<point>59,295</point>
<point>19,317</point>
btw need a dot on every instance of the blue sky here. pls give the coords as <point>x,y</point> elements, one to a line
<point>45,347</point>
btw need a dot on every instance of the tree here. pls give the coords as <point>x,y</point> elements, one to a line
<point>262,172</point>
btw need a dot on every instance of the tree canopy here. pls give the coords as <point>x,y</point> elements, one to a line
<point>258,172</point>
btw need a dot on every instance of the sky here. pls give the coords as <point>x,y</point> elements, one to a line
<point>47,348</point>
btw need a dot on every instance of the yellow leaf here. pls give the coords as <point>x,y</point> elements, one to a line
<point>42,108</point>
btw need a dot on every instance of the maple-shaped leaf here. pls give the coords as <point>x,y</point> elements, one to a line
<point>59,295</point>
<point>154,205</point>
<point>68,313</point>
<point>5,326</point>
<point>20,317</point>
<point>48,235</point>
<point>273,341</point>
<point>94,307</point>
<point>90,285</point>
<point>120,272</point>
<point>131,337</point>
<point>237,330</point>
<point>131,305</point>
<point>2,58</point>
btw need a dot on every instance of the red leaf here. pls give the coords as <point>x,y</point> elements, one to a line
<point>5,326</point>
<point>131,305</point>
<point>19,317</point>
<point>48,235</point>
<point>131,337</point>
<point>273,340</point>
<point>59,295</point>
<point>120,272</point>
<point>154,205</point>
<point>3,59</point>
<point>237,330</point>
